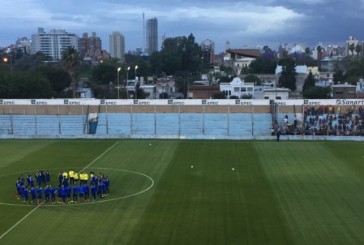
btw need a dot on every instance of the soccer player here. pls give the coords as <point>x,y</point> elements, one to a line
<point>67,189</point>
<point>72,178</point>
<point>75,193</point>
<point>47,193</point>
<point>25,194</point>
<point>86,190</point>
<point>85,175</point>
<point>31,181</point>
<point>28,179</point>
<point>93,191</point>
<point>47,177</point>
<point>19,189</point>
<point>33,194</point>
<point>106,183</point>
<point>60,191</point>
<point>60,178</point>
<point>76,176</point>
<point>100,189</point>
<point>53,193</point>
<point>39,194</point>
<point>81,192</point>
<point>39,178</point>
<point>65,181</point>
<point>43,177</point>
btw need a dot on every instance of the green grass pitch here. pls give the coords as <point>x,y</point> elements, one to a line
<point>186,192</point>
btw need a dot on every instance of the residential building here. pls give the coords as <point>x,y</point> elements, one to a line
<point>90,47</point>
<point>208,51</point>
<point>117,46</point>
<point>53,43</point>
<point>239,59</point>
<point>152,35</point>
<point>344,91</point>
<point>24,45</point>
<point>237,88</point>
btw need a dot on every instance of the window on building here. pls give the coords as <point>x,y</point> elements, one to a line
<point>236,89</point>
<point>243,89</point>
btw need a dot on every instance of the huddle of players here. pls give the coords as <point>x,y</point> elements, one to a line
<point>72,187</point>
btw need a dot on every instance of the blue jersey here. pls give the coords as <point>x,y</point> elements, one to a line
<point>33,192</point>
<point>75,190</point>
<point>25,192</point>
<point>68,191</point>
<point>39,192</point>
<point>47,191</point>
<point>52,190</point>
<point>86,189</point>
<point>61,192</point>
<point>106,183</point>
<point>47,176</point>
<point>93,189</point>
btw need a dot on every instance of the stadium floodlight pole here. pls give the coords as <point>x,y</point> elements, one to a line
<point>135,70</point>
<point>119,82</point>
<point>126,85</point>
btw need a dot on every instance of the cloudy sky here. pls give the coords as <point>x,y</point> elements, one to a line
<point>242,23</point>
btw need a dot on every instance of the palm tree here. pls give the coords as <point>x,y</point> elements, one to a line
<point>71,63</point>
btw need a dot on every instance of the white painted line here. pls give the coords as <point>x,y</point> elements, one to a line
<point>27,215</point>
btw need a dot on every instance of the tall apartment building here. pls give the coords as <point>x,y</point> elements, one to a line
<point>208,51</point>
<point>90,47</point>
<point>53,43</point>
<point>152,35</point>
<point>117,45</point>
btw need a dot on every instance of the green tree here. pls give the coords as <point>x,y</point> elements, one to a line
<point>358,50</point>
<point>71,62</point>
<point>251,78</point>
<point>352,48</point>
<point>339,76</point>
<point>104,73</point>
<point>309,82</point>
<point>317,93</point>
<point>262,65</point>
<point>219,95</point>
<point>179,54</point>
<point>287,78</point>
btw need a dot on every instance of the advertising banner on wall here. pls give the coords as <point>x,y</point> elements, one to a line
<point>179,102</point>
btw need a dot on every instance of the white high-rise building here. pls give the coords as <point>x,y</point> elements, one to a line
<point>152,35</point>
<point>54,43</point>
<point>117,45</point>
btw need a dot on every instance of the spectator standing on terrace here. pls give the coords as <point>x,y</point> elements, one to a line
<point>278,134</point>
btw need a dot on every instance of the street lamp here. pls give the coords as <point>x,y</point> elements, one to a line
<point>119,82</point>
<point>135,69</point>
<point>126,86</point>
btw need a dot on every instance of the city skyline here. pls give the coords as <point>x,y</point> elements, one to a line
<point>242,23</point>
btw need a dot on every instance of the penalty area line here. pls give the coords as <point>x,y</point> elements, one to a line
<point>34,209</point>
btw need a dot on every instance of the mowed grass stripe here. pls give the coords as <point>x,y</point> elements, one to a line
<point>210,203</point>
<point>317,191</point>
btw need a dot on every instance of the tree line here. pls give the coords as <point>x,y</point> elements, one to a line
<point>37,76</point>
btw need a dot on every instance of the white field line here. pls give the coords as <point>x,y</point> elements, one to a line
<point>34,209</point>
